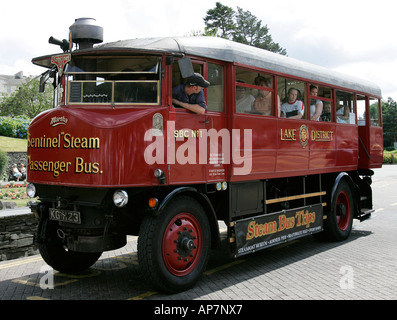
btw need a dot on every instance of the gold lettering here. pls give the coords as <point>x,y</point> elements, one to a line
<point>322,136</point>
<point>66,140</point>
<point>288,134</point>
<point>56,167</point>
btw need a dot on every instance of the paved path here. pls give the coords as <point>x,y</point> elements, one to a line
<point>363,267</point>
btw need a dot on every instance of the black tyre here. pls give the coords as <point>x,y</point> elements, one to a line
<point>56,255</point>
<point>339,222</point>
<point>174,247</point>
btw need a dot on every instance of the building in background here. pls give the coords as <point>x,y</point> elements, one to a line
<point>9,83</point>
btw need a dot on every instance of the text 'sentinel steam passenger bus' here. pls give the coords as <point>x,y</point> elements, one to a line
<point>115,157</point>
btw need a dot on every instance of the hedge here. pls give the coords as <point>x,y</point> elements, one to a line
<point>14,127</point>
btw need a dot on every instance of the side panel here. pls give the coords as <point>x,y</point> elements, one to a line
<point>371,147</point>
<point>346,146</point>
<point>185,147</point>
<point>283,147</point>
<point>264,231</point>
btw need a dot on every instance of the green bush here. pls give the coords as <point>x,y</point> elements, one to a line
<point>386,157</point>
<point>14,127</point>
<point>390,157</point>
<point>3,162</point>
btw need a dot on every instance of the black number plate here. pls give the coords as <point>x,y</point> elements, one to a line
<point>65,215</point>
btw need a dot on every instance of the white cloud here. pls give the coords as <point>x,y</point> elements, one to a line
<point>354,36</point>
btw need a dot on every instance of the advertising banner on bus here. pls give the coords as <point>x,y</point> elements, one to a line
<point>259,232</point>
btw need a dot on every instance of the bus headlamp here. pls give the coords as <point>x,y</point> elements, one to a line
<point>31,190</point>
<point>160,175</point>
<point>120,198</point>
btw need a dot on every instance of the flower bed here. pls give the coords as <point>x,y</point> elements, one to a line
<point>13,191</point>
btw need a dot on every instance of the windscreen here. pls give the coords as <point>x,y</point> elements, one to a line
<point>113,80</point>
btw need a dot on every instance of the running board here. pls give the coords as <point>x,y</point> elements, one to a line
<point>365,214</point>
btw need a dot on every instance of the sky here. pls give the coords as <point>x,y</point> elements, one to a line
<point>355,37</point>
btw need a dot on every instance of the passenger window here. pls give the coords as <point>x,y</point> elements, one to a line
<point>254,92</point>
<point>178,79</point>
<point>320,103</point>
<point>215,100</point>
<point>345,107</point>
<point>177,75</point>
<point>361,102</point>
<point>374,111</point>
<point>292,94</point>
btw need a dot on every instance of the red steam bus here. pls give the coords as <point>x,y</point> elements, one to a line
<point>115,157</point>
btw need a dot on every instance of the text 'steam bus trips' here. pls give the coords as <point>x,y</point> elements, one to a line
<point>116,157</point>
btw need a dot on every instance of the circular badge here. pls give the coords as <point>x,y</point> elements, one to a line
<point>303,135</point>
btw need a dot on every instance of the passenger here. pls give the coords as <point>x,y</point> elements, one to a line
<point>326,115</point>
<point>264,102</point>
<point>342,113</point>
<point>244,101</point>
<point>317,108</point>
<point>191,95</point>
<point>293,108</point>
<point>15,172</point>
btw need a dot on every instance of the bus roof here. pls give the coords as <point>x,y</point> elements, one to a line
<point>230,51</point>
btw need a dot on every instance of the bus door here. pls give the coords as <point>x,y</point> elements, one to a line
<point>218,136</point>
<point>370,132</point>
<point>193,153</point>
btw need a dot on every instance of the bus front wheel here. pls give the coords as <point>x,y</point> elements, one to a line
<point>55,254</point>
<point>174,247</point>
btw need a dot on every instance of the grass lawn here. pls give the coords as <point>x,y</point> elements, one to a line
<point>8,144</point>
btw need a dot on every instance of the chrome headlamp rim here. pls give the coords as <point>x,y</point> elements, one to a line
<point>31,190</point>
<point>120,198</point>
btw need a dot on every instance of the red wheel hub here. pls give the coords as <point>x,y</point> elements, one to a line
<point>343,211</point>
<point>182,244</point>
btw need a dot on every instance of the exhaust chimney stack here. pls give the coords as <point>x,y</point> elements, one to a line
<point>86,33</point>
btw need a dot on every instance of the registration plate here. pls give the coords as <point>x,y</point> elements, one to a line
<point>65,215</point>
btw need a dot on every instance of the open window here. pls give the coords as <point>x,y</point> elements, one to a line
<point>346,108</point>
<point>293,100</point>
<point>374,105</point>
<point>361,104</point>
<point>320,98</point>
<point>255,93</point>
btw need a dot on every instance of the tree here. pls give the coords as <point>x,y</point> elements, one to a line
<point>27,100</point>
<point>389,112</point>
<point>241,26</point>
<point>219,21</point>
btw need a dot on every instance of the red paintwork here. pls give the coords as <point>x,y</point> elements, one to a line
<point>277,149</point>
<point>119,157</point>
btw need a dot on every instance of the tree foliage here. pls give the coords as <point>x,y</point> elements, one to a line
<point>241,26</point>
<point>389,112</point>
<point>27,100</point>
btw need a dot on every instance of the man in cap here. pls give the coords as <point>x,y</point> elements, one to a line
<point>191,95</point>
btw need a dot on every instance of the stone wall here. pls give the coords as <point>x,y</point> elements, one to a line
<point>15,157</point>
<point>16,236</point>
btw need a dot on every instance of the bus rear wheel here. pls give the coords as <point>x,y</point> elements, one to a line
<point>339,222</point>
<point>174,247</point>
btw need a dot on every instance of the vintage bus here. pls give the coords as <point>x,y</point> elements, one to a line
<point>115,157</point>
